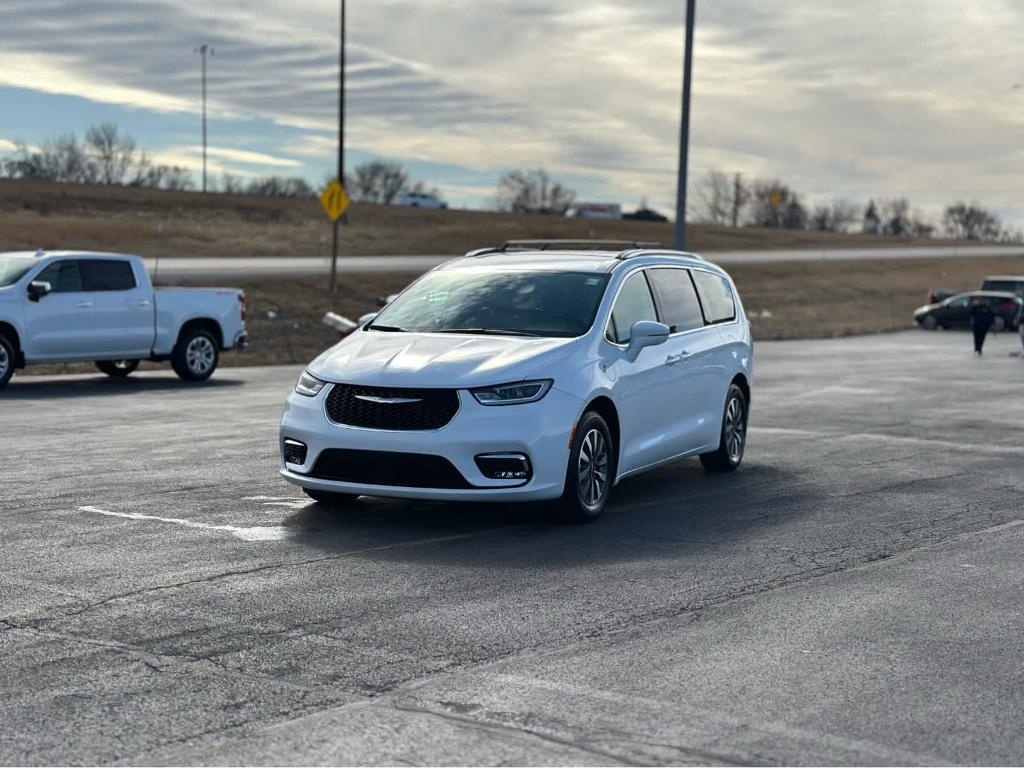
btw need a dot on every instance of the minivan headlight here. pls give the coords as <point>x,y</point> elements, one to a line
<point>512,394</point>
<point>309,385</point>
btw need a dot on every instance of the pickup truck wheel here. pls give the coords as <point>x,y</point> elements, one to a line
<point>6,361</point>
<point>117,369</point>
<point>195,356</point>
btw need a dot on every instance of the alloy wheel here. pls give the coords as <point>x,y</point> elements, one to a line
<point>592,468</point>
<point>199,355</point>
<point>735,429</point>
<point>5,361</point>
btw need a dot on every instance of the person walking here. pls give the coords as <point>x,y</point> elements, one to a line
<point>982,318</point>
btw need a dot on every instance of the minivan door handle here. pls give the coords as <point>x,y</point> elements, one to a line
<point>85,304</point>
<point>673,359</point>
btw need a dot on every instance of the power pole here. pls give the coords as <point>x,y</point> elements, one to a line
<point>202,50</point>
<point>684,130</point>
<point>341,144</point>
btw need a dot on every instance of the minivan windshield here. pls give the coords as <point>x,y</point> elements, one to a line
<point>13,268</point>
<point>502,303</point>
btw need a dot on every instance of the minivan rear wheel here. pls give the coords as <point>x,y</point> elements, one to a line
<point>7,360</point>
<point>733,437</point>
<point>590,472</point>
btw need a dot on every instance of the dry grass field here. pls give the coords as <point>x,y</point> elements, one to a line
<point>146,222</point>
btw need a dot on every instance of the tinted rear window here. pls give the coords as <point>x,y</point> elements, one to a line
<point>677,299</point>
<point>716,296</point>
<point>108,275</point>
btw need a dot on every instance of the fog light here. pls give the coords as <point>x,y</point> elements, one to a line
<point>505,466</point>
<point>294,452</point>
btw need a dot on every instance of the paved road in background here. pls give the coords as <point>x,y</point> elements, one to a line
<point>179,268</point>
<point>851,596</point>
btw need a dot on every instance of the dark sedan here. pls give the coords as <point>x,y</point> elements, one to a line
<point>955,312</point>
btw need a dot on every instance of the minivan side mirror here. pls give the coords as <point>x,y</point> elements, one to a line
<point>646,333</point>
<point>37,289</point>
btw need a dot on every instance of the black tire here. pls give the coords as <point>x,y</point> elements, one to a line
<point>593,454</point>
<point>929,323</point>
<point>8,358</point>
<point>733,438</point>
<point>117,369</point>
<point>998,324</point>
<point>196,355</point>
<point>329,498</point>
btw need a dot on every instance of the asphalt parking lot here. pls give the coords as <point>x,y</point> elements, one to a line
<point>854,594</point>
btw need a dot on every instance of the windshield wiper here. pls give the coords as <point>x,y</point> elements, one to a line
<point>488,331</point>
<point>386,328</point>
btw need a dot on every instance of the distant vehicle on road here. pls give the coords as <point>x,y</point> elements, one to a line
<point>608,211</point>
<point>645,214</point>
<point>955,312</point>
<point>936,295</point>
<point>1010,283</point>
<point>421,200</point>
<point>66,306</point>
<point>528,373</point>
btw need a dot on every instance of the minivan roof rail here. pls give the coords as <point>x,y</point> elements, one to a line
<point>547,245</point>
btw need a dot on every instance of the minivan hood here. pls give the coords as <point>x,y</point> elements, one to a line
<point>435,359</point>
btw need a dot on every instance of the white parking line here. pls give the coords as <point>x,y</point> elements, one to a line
<point>255,533</point>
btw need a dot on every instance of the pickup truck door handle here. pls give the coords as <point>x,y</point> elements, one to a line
<point>673,359</point>
<point>85,304</point>
<point>143,303</point>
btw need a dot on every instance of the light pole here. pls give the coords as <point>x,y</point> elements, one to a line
<point>684,130</point>
<point>341,143</point>
<point>202,50</point>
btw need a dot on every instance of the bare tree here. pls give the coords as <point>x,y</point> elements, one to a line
<point>740,197</point>
<point>971,222</point>
<point>279,186</point>
<point>715,196</point>
<point>895,216</point>
<point>111,153</point>
<point>837,216</point>
<point>533,191</point>
<point>377,182</point>
<point>774,204</point>
<point>871,223</point>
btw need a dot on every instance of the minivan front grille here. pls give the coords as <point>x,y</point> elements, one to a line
<point>400,470</point>
<point>391,408</point>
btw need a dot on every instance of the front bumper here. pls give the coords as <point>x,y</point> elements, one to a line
<point>540,430</point>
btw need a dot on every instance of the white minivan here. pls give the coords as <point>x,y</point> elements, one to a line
<point>528,372</point>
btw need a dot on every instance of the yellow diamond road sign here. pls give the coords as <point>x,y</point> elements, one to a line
<point>335,200</point>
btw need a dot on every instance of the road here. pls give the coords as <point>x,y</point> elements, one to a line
<point>852,595</point>
<point>179,268</point>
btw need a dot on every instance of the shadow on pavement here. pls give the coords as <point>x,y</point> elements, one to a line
<point>26,388</point>
<point>675,508</point>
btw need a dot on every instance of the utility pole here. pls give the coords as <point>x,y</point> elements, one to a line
<point>341,144</point>
<point>684,130</point>
<point>202,50</point>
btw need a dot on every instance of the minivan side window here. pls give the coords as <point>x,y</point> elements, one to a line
<point>108,275</point>
<point>677,299</point>
<point>715,296</point>
<point>634,303</point>
<point>63,276</point>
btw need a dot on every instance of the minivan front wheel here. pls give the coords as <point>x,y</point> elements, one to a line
<point>590,472</point>
<point>734,434</point>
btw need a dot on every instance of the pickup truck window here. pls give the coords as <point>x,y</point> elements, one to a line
<point>108,275</point>
<point>13,268</point>
<point>63,276</point>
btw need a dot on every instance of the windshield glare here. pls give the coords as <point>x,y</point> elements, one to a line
<point>13,268</point>
<point>539,303</point>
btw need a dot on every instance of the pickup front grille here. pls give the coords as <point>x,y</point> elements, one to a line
<point>400,470</point>
<point>391,408</point>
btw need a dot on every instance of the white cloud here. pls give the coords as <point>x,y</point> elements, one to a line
<point>868,99</point>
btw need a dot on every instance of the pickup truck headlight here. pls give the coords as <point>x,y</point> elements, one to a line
<point>512,394</point>
<point>309,385</point>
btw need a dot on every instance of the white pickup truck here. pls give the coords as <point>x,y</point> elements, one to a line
<point>60,307</point>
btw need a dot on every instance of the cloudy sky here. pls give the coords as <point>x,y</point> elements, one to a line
<point>839,99</point>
